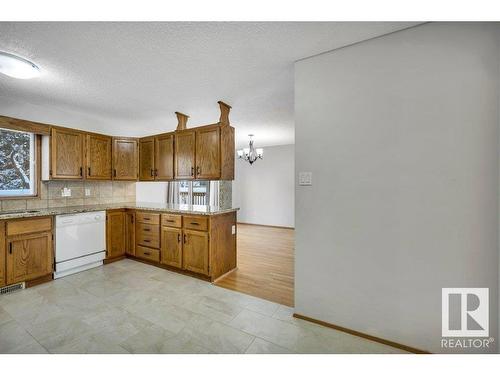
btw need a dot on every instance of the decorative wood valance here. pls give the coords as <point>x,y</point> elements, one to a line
<point>224,113</point>
<point>182,120</point>
<point>24,125</point>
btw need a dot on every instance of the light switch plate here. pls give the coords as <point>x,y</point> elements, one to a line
<point>233,229</point>
<point>305,178</point>
<point>87,192</point>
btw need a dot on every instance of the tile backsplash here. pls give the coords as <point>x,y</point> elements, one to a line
<point>225,194</point>
<point>82,193</point>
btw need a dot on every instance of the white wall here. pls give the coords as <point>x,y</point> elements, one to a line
<point>265,190</point>
<point>154,192</point>
<point>401,134</point>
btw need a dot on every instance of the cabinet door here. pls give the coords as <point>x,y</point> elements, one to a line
<point>146,159</point>
<point>130,233</point>
<point>2,253</point>
<point>115,234</point>
<point>98,157</point>
<point>66,154</point>
<point>164,157</point>
<point>184,155</point>
<point>171,246</point>
<point>195,251</point>
<point>125,157</point>
<point>29,256</point>
<point>208,153</point>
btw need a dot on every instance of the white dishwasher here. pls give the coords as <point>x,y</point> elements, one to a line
<point>80,242</point>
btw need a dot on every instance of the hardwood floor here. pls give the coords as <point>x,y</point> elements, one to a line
<point>265,264</point>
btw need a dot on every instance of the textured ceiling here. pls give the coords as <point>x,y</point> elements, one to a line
<point>129,78</point>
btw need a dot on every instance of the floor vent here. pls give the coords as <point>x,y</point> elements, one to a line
<point>11,288</point>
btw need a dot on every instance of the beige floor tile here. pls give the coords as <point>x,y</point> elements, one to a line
<point>93,344</point>
<point>128,306</point>
<point>4,316</point>
<point>218,337</point>
<point>150,340</point>
<point>260,346</point>
<point>13,337</point>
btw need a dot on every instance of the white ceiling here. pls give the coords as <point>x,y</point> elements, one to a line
<point>129,78</point>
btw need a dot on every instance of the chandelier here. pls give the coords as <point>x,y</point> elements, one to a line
<point>250,154</point>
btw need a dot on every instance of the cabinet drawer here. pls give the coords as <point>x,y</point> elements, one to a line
<point>148,254</point>
<point>171,220</point>
<point>196,222</point>
<point>25,226</point>
<point>148,229</point>
<point>148,240</point>
<point>147,218</point>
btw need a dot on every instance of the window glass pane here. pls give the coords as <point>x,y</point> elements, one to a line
<point>184,194</point>
<point>17,163</point>
<point>200,192</point>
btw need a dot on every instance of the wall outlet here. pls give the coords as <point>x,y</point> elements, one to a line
<point>305,178</point>
<point>87,192</point>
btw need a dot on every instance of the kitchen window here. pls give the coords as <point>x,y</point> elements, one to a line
<point>193,192</point>
<point>17,164</point>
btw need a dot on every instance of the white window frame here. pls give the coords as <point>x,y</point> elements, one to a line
<point>31,192</point>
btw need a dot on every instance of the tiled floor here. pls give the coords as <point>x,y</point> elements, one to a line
<point>130,307</point>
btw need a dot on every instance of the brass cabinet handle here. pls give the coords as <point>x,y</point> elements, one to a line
<point>170,221</point>
<point>184,238</point>
<point>89,171</point>
<point>146,230</point>
<point>114,172</point>
<point>147,240</point>
<point>152,172</point>
<point>195,223</point>
<point>178,237</point>
<point>192,171</point>
<point>10,247</point>
<point>198,170</point>
<point>147,253</point>
<point>81,171</point>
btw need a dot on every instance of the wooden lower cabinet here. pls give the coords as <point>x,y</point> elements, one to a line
<point>115,234</point>
<point>2,254</point>
<point>29,256</point>
<point>130,233</point>
<point>171,247</point>
<point>195,251</point>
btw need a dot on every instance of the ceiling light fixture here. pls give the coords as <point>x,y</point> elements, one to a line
<point>251,154</point>
<point>17,67</point>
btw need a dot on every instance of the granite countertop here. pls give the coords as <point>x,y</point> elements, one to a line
<point>161,207</point>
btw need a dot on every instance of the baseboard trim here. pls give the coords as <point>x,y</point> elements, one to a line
<point>264,225</point>
<point>39,280</point>
<point>363,335</point>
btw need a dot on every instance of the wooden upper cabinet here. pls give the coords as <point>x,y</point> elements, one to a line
<point>146,159</point>
<point>125,159</point>
<point>2,253</point>
<point>29,256</point>
<point>164,157</point>
<point>208,153</point>
<point>115,233</point>
<point>195,251</point>
<point>98,157</point>
<point>66,154</point>
<point>185,154</point>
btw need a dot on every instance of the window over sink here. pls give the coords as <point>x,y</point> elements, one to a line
<point>204,193</point>
<point>17,164</point>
